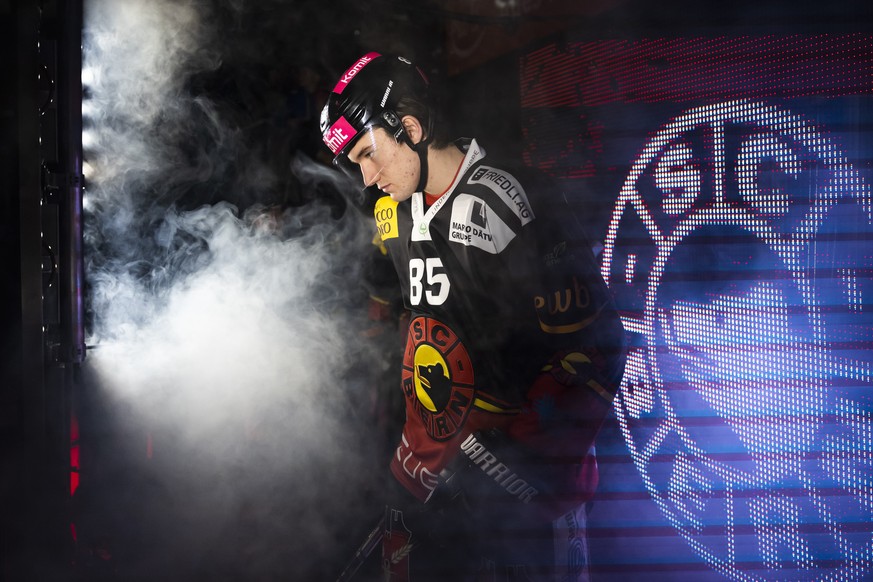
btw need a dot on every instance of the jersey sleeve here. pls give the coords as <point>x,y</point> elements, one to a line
<point>573,308</point>
<point>419,459</point>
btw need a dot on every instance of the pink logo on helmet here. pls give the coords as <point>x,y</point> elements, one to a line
<point>354,70</point>
<point>339,134</point>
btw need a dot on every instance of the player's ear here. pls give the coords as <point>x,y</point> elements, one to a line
<point>413,128</point>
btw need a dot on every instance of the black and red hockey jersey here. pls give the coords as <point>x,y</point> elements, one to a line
<point>497,280</point>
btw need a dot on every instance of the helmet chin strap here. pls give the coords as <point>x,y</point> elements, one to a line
<point>421,149</point>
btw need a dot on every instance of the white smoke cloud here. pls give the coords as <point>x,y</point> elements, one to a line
<point>230,334</point>
<point>252,319</point>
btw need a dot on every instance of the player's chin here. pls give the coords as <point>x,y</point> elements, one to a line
<point>398,196</point>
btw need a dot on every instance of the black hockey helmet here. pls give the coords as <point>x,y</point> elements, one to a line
<point>367,96</point>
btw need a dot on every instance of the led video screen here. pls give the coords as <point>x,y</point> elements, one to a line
<point>727,180</point>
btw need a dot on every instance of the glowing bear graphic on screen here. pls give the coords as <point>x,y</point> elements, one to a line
<point>741,254</point>
<point>768,396</point>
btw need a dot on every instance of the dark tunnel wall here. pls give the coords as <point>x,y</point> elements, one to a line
<point>34,381</point>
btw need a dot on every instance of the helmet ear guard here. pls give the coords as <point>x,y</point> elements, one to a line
<point>391,122</point>
<point>390,118</point>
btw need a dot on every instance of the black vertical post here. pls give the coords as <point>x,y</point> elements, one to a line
<point>26,509</point>
<point>67,343</point>
<point>41,331</point>
<point>71,265</point>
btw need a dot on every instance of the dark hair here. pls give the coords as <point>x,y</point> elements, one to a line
<point>430,116</point>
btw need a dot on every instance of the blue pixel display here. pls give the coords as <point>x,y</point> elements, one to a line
<point>738,241</point>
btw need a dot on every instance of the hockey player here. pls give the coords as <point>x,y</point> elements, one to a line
<point>514,348</point>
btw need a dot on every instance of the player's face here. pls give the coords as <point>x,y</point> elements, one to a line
<point>393,167</point>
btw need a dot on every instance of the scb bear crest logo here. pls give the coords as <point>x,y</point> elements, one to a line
<point>437,377</point>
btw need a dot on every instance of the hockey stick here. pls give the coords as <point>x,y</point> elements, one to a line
<point>448,490</point>
<point>363,552</point>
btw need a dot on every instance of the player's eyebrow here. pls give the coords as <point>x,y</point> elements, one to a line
<point>361,148</point>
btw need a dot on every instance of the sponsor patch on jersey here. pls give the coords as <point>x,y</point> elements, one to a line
<point>421,216</point>
<point>566,310</point>
<point>474,224</point>
<point>507,188</point>
<point>386,217</point>
<point>437,377</point>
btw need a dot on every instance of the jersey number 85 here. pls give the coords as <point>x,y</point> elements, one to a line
<point>428,279</point>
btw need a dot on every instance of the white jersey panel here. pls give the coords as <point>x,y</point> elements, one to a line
<point>507,188</point>
<point>473,223</point>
